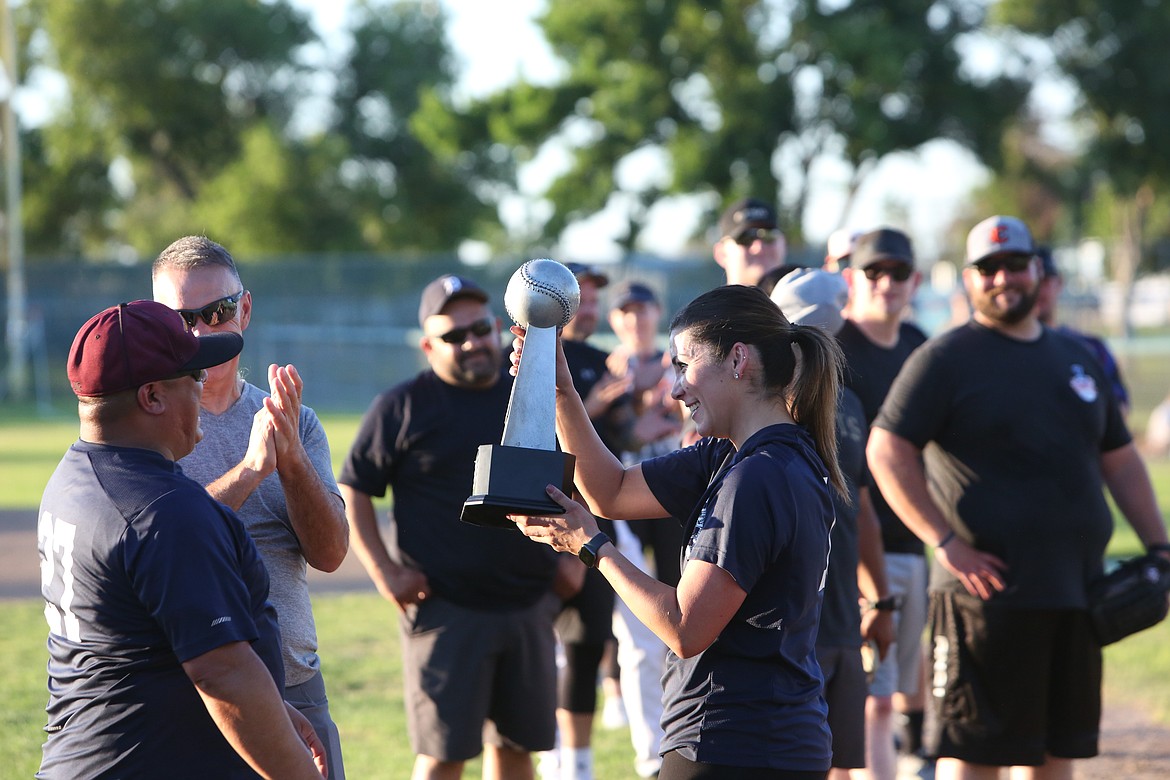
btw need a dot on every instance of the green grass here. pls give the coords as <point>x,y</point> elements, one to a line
<point>359,642</point>
<point>360,659</point>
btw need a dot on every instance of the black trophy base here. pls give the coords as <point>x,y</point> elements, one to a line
<point>511,481</point>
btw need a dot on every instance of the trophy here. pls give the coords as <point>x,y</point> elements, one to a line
<point>510,477</point>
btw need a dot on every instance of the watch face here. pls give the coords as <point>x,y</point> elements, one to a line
<point>588,553</point>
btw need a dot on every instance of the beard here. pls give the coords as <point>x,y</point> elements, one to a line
<point>478,368</point>
<point>1013,314</point>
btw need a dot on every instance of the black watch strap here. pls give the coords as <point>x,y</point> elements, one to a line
<point>588,552</point>
<point>888,604</point>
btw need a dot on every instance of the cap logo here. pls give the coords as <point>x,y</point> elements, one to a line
<point>452,285</point>
<point>754,214</point>
<point>1083,384</point>
<point>999,234</point>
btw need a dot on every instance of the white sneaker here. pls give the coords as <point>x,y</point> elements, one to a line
<point>613,713</point>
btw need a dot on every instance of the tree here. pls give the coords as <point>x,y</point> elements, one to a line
<point>169,89</point>
<point>408,196</point>
<point>881,76</point>
<point>1111,50</point>
<point>725,93</point>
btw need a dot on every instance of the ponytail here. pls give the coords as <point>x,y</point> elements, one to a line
<point>807,384</point>
<point>814,393</point>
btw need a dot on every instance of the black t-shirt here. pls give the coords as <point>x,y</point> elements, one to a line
<point>420,440</point>
<point>587,367</point>
<point>840,618</point>
<point>1017,431</point>
<point>870,371</point>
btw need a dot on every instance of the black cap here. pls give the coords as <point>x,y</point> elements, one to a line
<point>632,292</point>
<point>590,273</point>
<point>882,244</point>
<point>749,213</point>
<point>1047,261</point>
<point>445,289</point>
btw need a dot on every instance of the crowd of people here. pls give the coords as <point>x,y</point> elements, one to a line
<point>803,537</point>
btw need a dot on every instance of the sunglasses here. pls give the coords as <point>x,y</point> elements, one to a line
<point>752,235</point>
<point>459,335</point>
<point>899,272</point>
<point>199,375</point>
<point>1013,264</point>
<point>214,313</point>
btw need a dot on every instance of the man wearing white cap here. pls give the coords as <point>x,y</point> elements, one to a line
<point>1026,433</point>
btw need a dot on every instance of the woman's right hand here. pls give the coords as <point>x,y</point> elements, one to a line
<point>564,378</point>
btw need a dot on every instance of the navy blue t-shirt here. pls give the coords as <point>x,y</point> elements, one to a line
<point>763,514</point>
<point>142,570</point>
<point>840,617</point>
<point>420,440</point>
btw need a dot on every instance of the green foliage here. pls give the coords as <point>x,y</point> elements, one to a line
<point>409,195</point>
<point>1111,51</point>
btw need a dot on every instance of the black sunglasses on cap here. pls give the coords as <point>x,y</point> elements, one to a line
<point>752,235</point>
<point>1013,264</point>
<point>214,313</point>
<point>459,335</point>
<point>899,272</point>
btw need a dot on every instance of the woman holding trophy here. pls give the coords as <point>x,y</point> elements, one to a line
<point>742,690</point>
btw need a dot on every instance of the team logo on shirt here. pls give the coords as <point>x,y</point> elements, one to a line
<point>1083,384</point>
<point>702,518</point>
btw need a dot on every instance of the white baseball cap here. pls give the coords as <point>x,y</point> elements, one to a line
<point>810,296</point>
<point>998,235</point>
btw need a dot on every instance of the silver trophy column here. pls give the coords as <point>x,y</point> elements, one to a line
<point>510,477</point>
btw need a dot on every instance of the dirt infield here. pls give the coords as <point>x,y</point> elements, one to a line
<point>1133,747</point>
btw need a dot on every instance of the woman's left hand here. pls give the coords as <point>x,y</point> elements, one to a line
<point>564,533</point>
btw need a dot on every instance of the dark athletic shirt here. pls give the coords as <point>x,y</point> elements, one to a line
<point>840,617</point>
<point>420,439</point>
<point>753,698</point>
<point>1018,429</point>
<point>141,571</point>
<point>870,371</point>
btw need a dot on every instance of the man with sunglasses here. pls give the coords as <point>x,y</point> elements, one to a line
<point>164,652</point>
<point>1026,433</point>
<point>265,455</point>
<point>750,242</point>
<point>475,604</point>
<point>877,339</point>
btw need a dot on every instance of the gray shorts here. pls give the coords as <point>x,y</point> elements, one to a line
<point>473,677</point>
<point>845,692</point>
<point>309,699</point>
<point>901,671</point>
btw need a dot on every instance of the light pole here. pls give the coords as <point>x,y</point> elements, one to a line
<point>13,227</point>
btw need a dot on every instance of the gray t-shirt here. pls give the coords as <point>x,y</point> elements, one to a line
<point>265,515</point>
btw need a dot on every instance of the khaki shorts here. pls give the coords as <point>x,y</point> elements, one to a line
<point>901,671</point>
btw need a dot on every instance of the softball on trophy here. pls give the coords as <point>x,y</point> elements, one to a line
<point>542,294</point>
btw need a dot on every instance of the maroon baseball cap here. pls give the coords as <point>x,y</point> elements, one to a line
<point>130,344</point>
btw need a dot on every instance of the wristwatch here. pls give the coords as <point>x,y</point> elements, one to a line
<point>888,604</point>
<point>588,552</point>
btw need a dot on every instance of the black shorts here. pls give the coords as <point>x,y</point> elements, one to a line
<point>1010,686</point>
<point>474,677</point>
<point>845,693</point>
